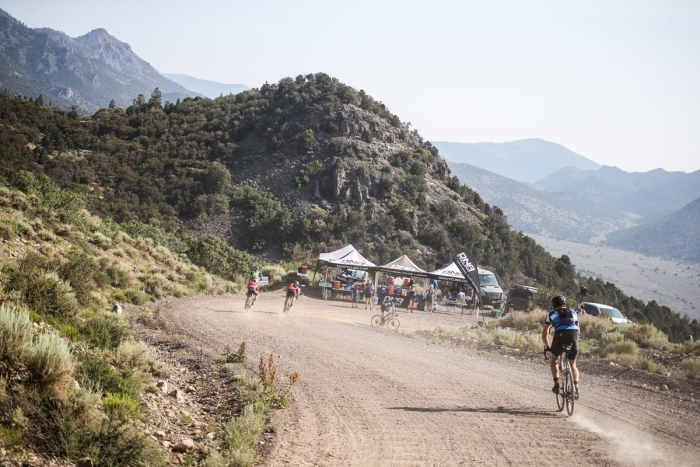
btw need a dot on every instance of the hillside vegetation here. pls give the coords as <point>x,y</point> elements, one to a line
<point>284,171</point>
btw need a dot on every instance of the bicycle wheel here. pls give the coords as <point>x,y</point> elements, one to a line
<point>569,390</point>
<point>248,303</point>
<point>393,324</point>
<point>376,320</point>
<point>561,393</point>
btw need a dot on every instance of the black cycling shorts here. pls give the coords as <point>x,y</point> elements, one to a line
<point>291,294</point>
<point>561,338</point>
<point>252,292</point>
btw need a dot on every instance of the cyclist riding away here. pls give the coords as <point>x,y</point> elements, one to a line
<point>253,289</point>
<point>565,323</point>
<point>292,292</point>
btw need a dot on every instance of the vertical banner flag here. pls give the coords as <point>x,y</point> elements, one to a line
<point>467,266</point>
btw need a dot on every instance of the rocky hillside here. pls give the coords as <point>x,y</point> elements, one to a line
<point>674,236</point>
<point>87,72</point>
<point>566,216</point>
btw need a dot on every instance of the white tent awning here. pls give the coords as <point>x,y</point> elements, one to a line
<point>347,257</point>
<point>403,266</point>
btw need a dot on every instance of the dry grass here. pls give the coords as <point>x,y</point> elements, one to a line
<point>691,368</point>
<point>645,335</point>
<point>522,321</point>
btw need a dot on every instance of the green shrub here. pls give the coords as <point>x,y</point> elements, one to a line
<point>118,296</point>
<point>119,275</point>
<point>106,330</point>
<point>650,366</point>
<point>49,359</point>
<point>44,292</point>
<point>592,327</point>
<point>16,333</point>
<point>97,372</point>
<point>156,284</point>
<point>621,348</point>
<point>6,231</point>
<point>645,335</point>
<point>136,296</point>
<point>691,367</point>
<point>100,240</point>
<point>121,407</point>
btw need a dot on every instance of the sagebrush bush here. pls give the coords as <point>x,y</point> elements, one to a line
<point>691,367</point>
<point>522,321</point>
<point>132,354</point>
<point>85,275</point>
<point>155,284</point>
<point>274,273</point>
<point>239,436</point>
<point>621,348</point>
<point>6,231</point>
<point>650,366</point>
<point>100,240</point>
<point>49,359</point>
<point>64,230</point>
<point>119,275</point>
<point>16,333</point>
<point>592,327</point>
<point>645,335</point>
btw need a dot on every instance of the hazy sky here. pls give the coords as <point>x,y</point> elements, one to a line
<point>615,81</point>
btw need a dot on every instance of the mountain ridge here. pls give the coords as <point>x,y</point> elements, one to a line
<point>525,160</point>
<point>76,72</point>
<point>210,89</point>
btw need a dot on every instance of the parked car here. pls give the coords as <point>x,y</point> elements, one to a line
<point>597,309</point>
<point>491,292</point>
<point>519,298</point>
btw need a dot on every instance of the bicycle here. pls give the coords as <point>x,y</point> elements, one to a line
<point>566,396</point>
<point>288,306</point>
<point>390,319</point>
<point>249,302</point>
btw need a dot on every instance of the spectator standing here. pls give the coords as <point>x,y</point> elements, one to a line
<point>369,291</point>
<point>356,295</point>
<point>412,292</point>
<point>430,296</point>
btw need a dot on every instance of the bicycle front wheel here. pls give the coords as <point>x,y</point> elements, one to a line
<point>561,398</point>
<point>376,320</point>
<point>569,391</point>
<point>393,324</point>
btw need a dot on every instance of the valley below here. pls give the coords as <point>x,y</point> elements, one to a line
<point>675,284</point>
<point>368,396</point>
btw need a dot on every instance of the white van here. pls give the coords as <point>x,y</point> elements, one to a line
<point>491,292</point>
<point>597,309</point>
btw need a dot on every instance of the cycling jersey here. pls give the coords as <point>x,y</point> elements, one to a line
<point>253,285</point>
<point>562,323</point>
<point>293,289</point>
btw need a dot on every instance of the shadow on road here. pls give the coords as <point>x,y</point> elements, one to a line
<point>502,410</point>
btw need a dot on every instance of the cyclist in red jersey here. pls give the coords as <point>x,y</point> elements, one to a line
<point>292,292</point>
<point>253,289</point>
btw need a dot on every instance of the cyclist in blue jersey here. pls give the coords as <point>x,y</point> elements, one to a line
<point>565,323</point>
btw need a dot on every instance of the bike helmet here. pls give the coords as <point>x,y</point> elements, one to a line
<point>558,301</point>
<point>296,283</point>
<point>257,267</point>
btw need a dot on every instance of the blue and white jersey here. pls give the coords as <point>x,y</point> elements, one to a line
<point>562,324</point>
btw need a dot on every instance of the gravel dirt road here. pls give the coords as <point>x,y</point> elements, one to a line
<point>370,396</point>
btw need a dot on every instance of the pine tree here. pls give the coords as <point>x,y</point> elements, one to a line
<point>112,104</point>
<point>156,100</point>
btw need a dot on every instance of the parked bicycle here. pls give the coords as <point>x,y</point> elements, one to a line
<point>566,396</point>
<point>388,316</point>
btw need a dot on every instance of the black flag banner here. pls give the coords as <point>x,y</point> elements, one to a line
<point>467,266</point>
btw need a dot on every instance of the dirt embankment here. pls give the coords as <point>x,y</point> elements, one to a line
<point>372,397</point>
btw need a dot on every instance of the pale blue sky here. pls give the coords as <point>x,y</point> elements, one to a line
<point>616,81</point>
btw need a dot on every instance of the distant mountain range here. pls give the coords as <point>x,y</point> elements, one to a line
<point>566,216</point>
<point>674,236</point>
<point>210,89</point>
<point>648,195</point>
<point>525,160</point>
<point>87,72</point>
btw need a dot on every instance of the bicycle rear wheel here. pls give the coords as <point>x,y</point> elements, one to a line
<point>376,320</point>
<point>569,390</point>
<point>393,324</point>
<point>248,303</point>
<point>561,398</point>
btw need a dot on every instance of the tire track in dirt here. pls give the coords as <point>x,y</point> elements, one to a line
<point>372,397</point>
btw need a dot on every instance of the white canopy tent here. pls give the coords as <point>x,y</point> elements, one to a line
<point>449,273</point>
<point>403,266</point>
<point>347,257</point>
